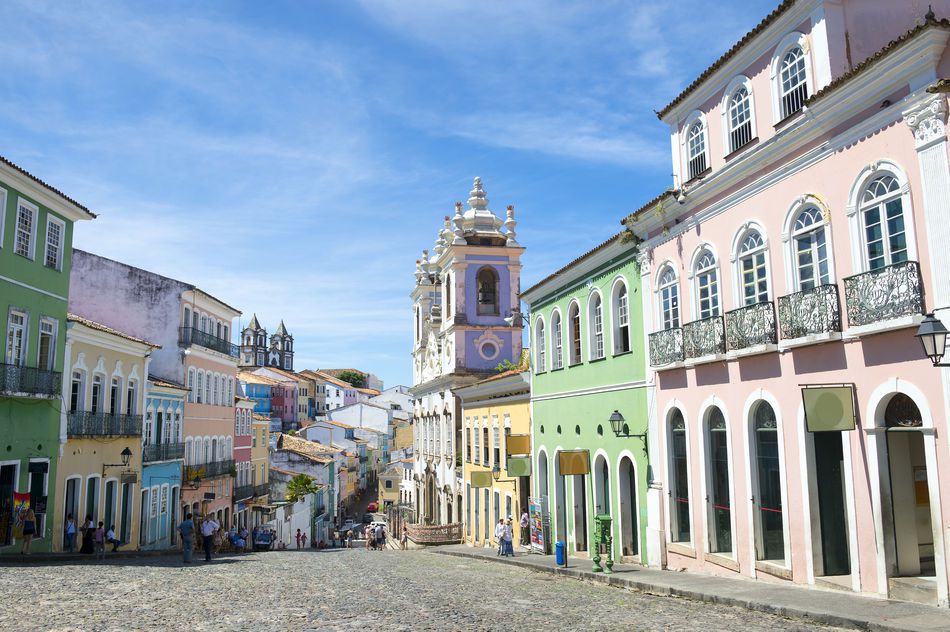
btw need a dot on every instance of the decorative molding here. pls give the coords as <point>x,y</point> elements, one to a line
<point>928,121</point>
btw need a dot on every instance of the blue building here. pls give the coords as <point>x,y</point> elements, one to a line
<point>163,452</point>
<point>258,388</point>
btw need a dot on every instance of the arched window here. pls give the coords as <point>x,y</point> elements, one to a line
<point>574,326</point>
<point>77,392</point>
<point>902,412</point>
<point>720,502</point>
<point>882,214</point>
<point>595,317</point>
<point>707,285</point>
<point>214,390</point>
<point>770,534</point>
<point>752,269</point>
<point>811,251</point>
<point>539,345</point>
<point>679,479</point>
<point>187,320</point>
<point>204,323</point>
<point>620,306</point>
<point>669,299</point>
<point>189,455</point>
<point>217,329</point>
<point>793,84</point>
<point>696,150</point>
<point>740,119</point>
<point>557,360</point>
<point>487,282</point>
<point>191,385</point>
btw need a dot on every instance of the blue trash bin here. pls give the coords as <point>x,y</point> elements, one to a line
<point>559,552</point>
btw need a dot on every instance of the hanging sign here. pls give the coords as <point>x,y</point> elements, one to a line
<point>518,444</point>
<point>573,462</point>
<point>829,408</point>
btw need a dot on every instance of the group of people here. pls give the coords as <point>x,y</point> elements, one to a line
<point>504,534</point>
<point>187,531</point>
<point>94,537</point>
<point>301,539</point>
<point>375,536</point>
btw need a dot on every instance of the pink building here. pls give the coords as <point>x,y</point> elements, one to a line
<point>785,274</point>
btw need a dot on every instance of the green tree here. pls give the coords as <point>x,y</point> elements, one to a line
<point>299,486</point>
<point>355,378</point>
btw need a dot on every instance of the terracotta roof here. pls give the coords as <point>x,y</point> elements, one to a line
<point>930,21</point>
<point>309,449</point>
<point>274,468</point>
<point>503,374</point>
<point>573,263</point>
<point>45,185</point>
<point>109,330</point>
<point>784,6</point>
<point>329,378</point>
<point>254,378</point>
<point>368,391</point>
<point>259,417</point>
<point>157,381</point>
<point>287,374</point>
<point>338,424</point>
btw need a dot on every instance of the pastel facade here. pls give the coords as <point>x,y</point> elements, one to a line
<point>589,361</point>
<point>492,410</point>
<point>463,294</point>
<point>163,453</point>
<point>805,238</point>
<point>243,465</point>
<point>260,432</point>
<point>36,231</point>
<point>105,397</point>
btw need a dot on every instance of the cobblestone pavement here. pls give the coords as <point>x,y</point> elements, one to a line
<point>340,590</point>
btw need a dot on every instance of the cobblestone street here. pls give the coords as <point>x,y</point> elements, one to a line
<point>340,590</point>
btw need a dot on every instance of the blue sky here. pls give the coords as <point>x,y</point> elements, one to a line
<point>295,158</point>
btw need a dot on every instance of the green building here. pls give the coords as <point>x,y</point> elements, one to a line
<point>36,233</point>
<point>587,342</point>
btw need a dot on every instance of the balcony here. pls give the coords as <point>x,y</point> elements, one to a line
<point>163,452</point>
<point>704,338</point>
<point>886,294</point>
<point>209,470</point>
<point>88,424</point>
<point>261,490</point>
<point>666,347</point>
<point>810,313</point>
<point>750,327</point>
<point>242,492</point>
<point>30,381</point>
<point>364,459</point>
<point>192,336</point>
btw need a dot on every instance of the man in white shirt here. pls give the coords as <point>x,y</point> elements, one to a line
<point>208,527</point>
<point>499,533</point>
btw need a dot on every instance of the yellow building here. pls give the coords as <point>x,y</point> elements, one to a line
<point>101,431</point>
<point>496,431</point>
<point>402,437</point>
<point>260,470</point>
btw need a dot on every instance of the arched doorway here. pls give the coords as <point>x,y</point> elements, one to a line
<point>629,525</point>
<point>718,485</point>
<point>910,518</point>
<point>601,486</point>
<point>543,475</point>
<point>767,485</point>
<point>580,511</point>
<point>560,498</point>
<point>458,508</point>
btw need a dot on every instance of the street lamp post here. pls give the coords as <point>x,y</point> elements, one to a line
<point>620,428</point>
<point>933,338</point>
<point>126,455</point>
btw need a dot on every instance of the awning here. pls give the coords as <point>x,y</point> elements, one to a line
<point>519,466</point>
<point>829,408</point>
<point>518,444</point>
<point>573,462</point>
<point>481,479</point>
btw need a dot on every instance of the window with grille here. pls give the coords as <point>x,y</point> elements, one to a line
<point>883,215</point>
<point>794,88</point>
<point>740,119</point>
<point>669,299</point>
<point>752,268</point>
<point>696,150</point>
<point>25,226</point>
<point>54,244</point>
<point>811,251</point>
<point>707,285</point>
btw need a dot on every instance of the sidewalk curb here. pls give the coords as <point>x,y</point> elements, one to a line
<point>791,612</point>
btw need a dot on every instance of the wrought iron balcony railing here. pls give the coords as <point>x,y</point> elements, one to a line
<point>364,459</point>
<point>666,346</point>
<point>87,424</point>
<point>261,490</point>
<point>31,381</point>
<point>162,452</point>
<point>814,311</point>
<point>209,470</point>
<point>751,326</point>
<point>192,336</point>
<point>704,337</point>
<point>889,292</point>
<point>243,492</point>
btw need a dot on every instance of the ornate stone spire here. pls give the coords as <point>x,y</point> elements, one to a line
<point>477,199</point>
<point>459,239</point>
<point>419,273</point>
<point>510,224</point>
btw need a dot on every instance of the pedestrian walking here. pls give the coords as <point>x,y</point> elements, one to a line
<point>506,538</point>
<point>370,540</point>
<point>349,538</point>
<point>499,532</point>
<point>525,530</point>
<point>100,541</point>
<point>111,539</point>
<point>28,518</point>
<point>88,533</point>
<point>70,532</point>
<point>298,538</point>
<point>187,532</point>
<point>208,528</point>
<point>336,536</point>
<point>303,541</point>
<point>405,537</point>
<point>380,537</point>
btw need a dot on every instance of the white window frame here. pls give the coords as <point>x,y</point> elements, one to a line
<point>557,341</point>
<point>34,209</point>
<point>793,282</point>
<point>855,212</point>
<point>51,221</point>
<point>24,337</point>
<point>736,256</point>
<point>593,333</point>
<point>616,315</point>
<point>696,118</point>
<point>658,292</point>
<point>695,275</point>
<point>3,213</point>
<point>732,87</point>
<point>775,71</point>
<point>539,340</point>
<point>571,359</point>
